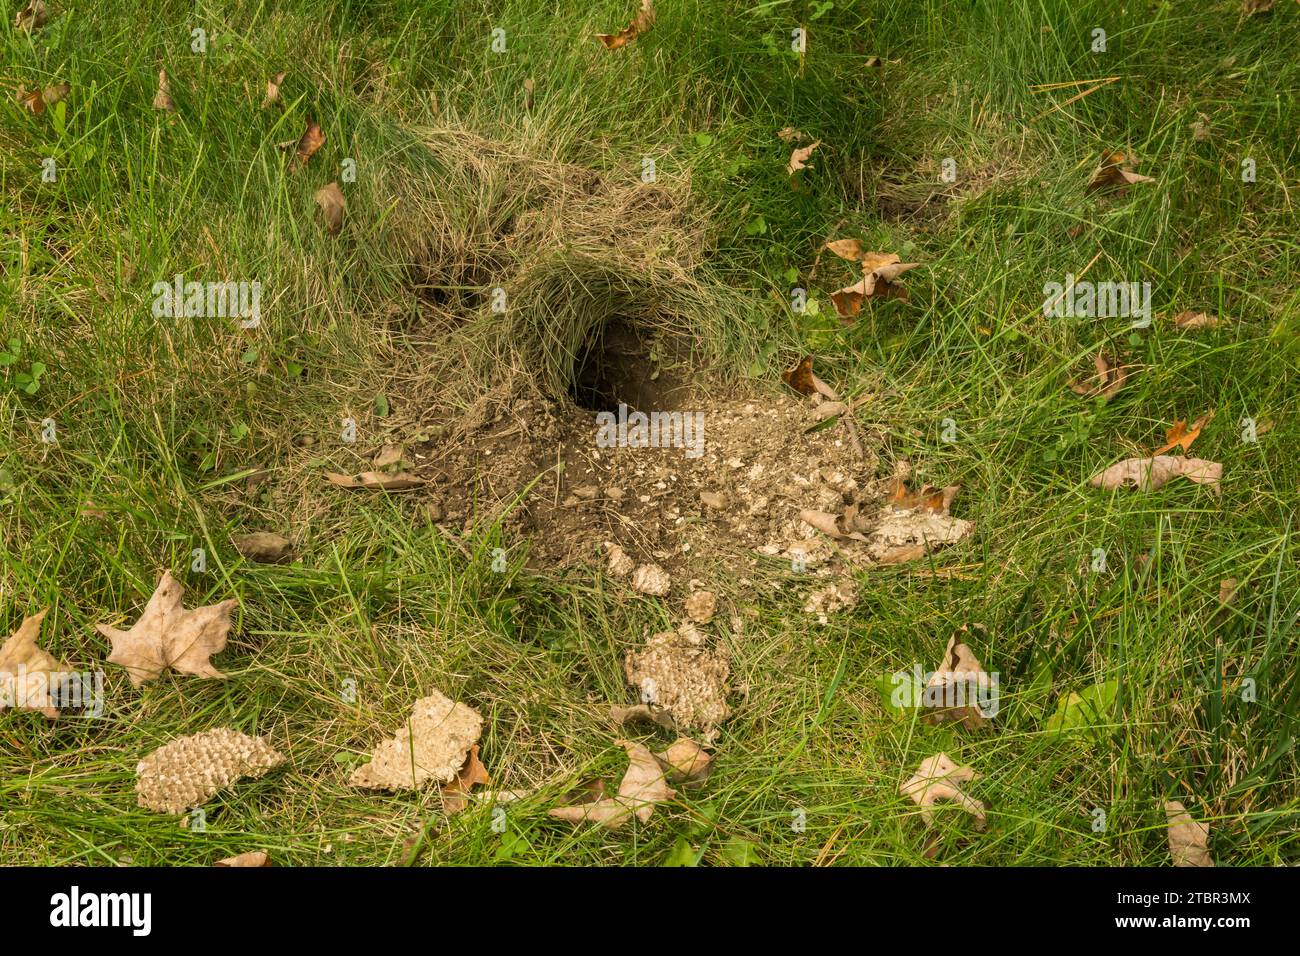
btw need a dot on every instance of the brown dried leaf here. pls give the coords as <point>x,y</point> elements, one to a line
<point>431,746</point>
<point>685,761</point>
<point>937,779</point>
<point>27,672</point>
<point>1196,320</point>
<point>850,249</point>
<point>1181,436</point>
<point>167,635</point>
<point>929,499</point>
<point>642,713</point>
<point>803,380</point>
<point>1227,591</point>
<point>642,787</point>
<point>1106,383</point>
<point>641,23</point>
<point>377,480</point>
<point>253,858</point>
<point>312,139</point>
<point>389,457</point>
<point>791,135</point>
<point>829,524</point>
<point>901,554</point>
<point>273,89</point>
<point>32,17</point>
<point>471,775</point>
<point>56,93</point>
<point>880,270</point>
<point>332,205</point>
<point>1148,474</point>
<point>162,100</point>
<point>962,668</point>
<point>37,100</point>
<point>1188,839</point>
<point>1251,7</point>
<point>1112,177</point>
<point>799,157</point>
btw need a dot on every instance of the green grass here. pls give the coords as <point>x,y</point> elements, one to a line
<point>159,421</point>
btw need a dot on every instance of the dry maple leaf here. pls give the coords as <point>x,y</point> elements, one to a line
<point>273,89</point>
<point>162,100</point>
<point>455,795</point>
<point>1179,435</point>
<point>32,17</point>
<point>879,271</point>
<point>938,778</point>
<point>1148,474</point>
<point>189,771</point>
<point>959,684</point>
<point>253,858</point>
<point>1196,320</point>
<point>431,746</point>
<point>28,674</point>
<point>799,157</point>
<point>167,635</point>
<point>312,139</point>
<point>642,787</point>
<point>1111,176</point>
<point>332,205</point>
<point>641,23</point>
<point>1106,383</point>
<point>383,481</point>
<point>1188,839</point>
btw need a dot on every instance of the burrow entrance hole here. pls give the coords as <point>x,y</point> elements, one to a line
<point>620,364</point>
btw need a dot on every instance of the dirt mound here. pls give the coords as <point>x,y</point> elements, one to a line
<point>712,477</point>
<point>563,393</point>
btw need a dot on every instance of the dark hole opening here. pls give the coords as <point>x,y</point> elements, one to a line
<point>610,368</point>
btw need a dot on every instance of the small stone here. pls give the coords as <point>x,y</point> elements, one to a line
<point>651,579</point>
<point>701,606</point>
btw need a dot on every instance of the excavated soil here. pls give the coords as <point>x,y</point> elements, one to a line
<point>535,465</point>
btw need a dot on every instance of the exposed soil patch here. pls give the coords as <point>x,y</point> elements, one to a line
<point>728,484</point>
